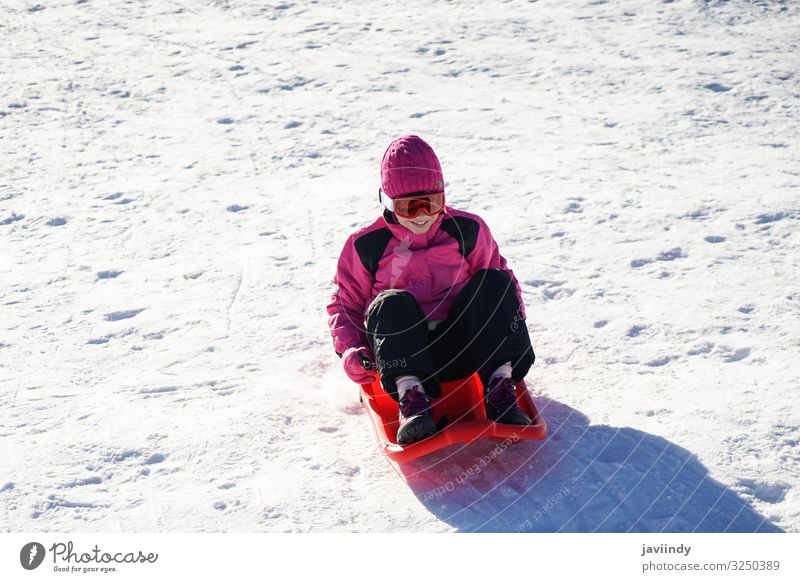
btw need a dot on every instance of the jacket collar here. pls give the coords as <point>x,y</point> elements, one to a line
<point>414,241</point>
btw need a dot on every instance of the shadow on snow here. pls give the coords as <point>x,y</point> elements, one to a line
<point>582,478</point>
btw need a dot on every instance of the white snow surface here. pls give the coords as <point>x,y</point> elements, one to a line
<point>177,180</point>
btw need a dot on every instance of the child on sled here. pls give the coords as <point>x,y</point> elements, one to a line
<point>424,296</point>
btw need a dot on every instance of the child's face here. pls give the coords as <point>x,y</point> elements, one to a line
<point>420,224</point>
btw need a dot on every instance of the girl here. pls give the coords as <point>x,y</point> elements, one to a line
<point>423,296</point>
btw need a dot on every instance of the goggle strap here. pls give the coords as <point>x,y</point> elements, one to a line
<point>387,202</point>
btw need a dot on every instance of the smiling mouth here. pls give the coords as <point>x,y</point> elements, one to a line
<point>424,222</point>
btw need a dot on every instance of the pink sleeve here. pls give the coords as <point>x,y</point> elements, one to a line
<point>486,255</point>
<point>349,301</point>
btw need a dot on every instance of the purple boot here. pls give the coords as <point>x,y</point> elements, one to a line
<point>416,417</point>
<point>501,402</point>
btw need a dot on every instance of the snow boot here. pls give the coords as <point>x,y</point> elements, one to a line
<point>416,417</point>
<point>501,402</point>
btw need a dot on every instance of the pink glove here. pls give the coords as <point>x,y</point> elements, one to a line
<point>357,365</point>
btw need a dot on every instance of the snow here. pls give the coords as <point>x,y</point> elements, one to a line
<point>177,180</point>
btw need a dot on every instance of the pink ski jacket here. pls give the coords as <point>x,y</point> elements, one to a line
<point>433,267</point>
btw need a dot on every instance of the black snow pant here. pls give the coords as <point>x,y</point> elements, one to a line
<point>483,330</point>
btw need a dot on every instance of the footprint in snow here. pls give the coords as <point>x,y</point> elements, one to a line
<point>659,412</point>
<point>13,218</point>
<point>767,492</point>
<point>155,458</point>
<point>658,362</point>
<point>294,83</point>
<point>271,512</point>
<point>557,293</point>
<point>121,456</point>
<point>82,482</point>
<point>668,255</point>
<point>671,254</point>
<point>701,349</point>
<point>118,315</point>
<point>349,471</point>
<point>574,207</point>
<point>737,355</point>
<point>768,218</point>
<point>635,330</point>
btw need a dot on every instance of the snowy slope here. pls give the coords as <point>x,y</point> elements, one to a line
<point>177,180</point>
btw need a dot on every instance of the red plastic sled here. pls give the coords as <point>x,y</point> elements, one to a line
<point>462,402</point>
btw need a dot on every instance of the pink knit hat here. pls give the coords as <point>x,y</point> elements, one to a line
<point>409,165</point>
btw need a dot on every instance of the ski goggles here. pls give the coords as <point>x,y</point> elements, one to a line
<point>411,206</point>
